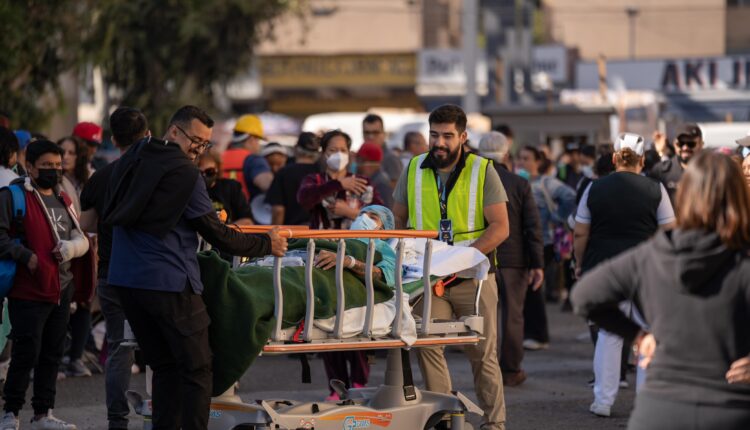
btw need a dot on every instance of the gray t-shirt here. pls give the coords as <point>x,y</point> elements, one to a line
<point>63,225</point>
<point>494,191</point>
<point>391,165</point>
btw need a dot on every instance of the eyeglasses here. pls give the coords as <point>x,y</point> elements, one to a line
<point>202,144</point>
<point>689,143</point>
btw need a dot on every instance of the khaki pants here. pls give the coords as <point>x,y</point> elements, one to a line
<point>488,383</point>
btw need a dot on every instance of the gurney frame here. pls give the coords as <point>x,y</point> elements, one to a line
<point>397,404</point>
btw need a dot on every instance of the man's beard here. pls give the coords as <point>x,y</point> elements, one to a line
<point>444,161</point>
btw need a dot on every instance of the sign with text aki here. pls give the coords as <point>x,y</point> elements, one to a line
<point>289,72</point>
<point>671,76</point>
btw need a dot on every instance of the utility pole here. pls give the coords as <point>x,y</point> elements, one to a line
<point>469,36</point>
<point>632,15</point>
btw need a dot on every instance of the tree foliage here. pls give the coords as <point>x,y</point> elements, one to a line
<point>154,54</point>
<point>40,40</point>
<point>161,54</point>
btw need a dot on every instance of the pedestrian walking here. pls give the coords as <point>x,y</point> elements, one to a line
<point>520,258</point>
<point>616,213</point>
<point>693,287</point>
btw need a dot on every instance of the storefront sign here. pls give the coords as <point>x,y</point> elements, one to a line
<point>689,75</point>
<point>441,73</point>
<point>551,60</point>
<point>296,72</point>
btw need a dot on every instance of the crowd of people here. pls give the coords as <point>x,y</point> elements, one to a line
<point>647,241</point>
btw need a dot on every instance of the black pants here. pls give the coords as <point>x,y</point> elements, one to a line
<point>80,330</point>
<point>172,331</point>
<point>38,334</point>
<point>337,365</point>
<point>534,313</point>
<point>657,413</point>
<point>513,283</point>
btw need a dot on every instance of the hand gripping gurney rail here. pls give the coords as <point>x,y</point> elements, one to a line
<point>396,404</point>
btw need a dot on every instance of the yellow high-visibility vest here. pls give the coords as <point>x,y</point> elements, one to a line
<point>464,202</point>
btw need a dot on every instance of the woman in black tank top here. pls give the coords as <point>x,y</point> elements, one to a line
<point>616,213</point>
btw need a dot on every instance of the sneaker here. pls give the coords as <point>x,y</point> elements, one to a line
<point>624,384</point>
<point>534,345</point>
<point>514,379</point>
<point>333,398</point>
<point>50,422</point>
<point>77,368</point>
<point>599,409</point>
<point>9,422</point>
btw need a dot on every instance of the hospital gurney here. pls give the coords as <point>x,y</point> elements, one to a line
<point>396,404</point>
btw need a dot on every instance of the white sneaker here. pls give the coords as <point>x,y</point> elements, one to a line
<point>50,422</point>
<point>9,422</point>
<point>534,345</point>
<point>599,409</point>
<point>624,384</point>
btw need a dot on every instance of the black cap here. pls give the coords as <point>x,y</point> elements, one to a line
<point>689,130</point>
<point>309,142</point>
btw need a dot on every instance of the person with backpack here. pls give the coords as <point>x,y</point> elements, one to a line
<point>39,230</point>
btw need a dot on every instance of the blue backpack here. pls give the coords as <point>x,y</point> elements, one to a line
<point>8,266</point>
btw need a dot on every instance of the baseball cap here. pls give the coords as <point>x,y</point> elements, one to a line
<point>89,132</point>
<point>308,141</point>
<point>744,141</point>
<point>273,148</point>
<point>689,130</point>
<point>248,125</point>
<point>370,151</point>
<point>24,137</point>
<point>630,141</point>
<point>494,145</point>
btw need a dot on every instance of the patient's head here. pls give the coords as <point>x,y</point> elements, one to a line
<point>374,217</point>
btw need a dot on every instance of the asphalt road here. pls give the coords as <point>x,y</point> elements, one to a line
<point>556,395</point>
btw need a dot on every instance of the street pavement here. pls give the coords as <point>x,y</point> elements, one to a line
<point>555,396</point>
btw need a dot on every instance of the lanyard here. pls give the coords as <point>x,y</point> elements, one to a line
<point>442,197</point>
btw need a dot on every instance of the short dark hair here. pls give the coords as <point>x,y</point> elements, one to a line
<point>449,114</point>
<point>186,114</point>
<point>408,138</point>
<point>329,135</point>
<point>371,118</point>
<point>589,151</point>
<point>538,155</point>
<point>38,148</point>
<point>128,126</point>
<point>505,130</point>
<point>8,145</point>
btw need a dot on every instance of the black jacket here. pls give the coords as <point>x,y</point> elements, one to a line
<point>695,296</point>
<point>152,184</point>
<point>524,246</point>
<point>668,172</point>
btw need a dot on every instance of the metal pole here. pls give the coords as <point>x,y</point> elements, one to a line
<point>469,26</point>
<point>632,14</point>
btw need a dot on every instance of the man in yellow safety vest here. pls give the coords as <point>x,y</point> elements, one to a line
<point>461,196</point>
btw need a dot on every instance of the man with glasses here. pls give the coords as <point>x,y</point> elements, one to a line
<point>156,202</point>
<point>688,143</point>
<point>373,130</point>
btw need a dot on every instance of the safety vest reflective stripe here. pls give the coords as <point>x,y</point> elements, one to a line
<point>465,201</point>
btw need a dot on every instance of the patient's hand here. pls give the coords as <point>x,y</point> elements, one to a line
<point>325,260</point>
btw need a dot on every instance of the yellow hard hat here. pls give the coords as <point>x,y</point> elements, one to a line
<point>248,125</point>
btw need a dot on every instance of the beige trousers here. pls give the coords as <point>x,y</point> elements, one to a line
<point>488,383</point>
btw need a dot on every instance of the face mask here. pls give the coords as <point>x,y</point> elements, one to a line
<point>588,171</point>
<point>363,222</point>
<point>338,161</point>
<point>48,178</point>
<point>523,173</point>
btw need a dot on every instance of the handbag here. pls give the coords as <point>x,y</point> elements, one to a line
<point>8,266</point>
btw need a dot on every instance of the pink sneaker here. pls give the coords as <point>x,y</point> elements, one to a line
<point>334,397</point>
<point>356,385</point>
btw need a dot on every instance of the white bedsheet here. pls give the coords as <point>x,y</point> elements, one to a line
<point>465,261</point>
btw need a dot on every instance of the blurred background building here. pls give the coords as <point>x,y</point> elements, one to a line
<point>554,70</point>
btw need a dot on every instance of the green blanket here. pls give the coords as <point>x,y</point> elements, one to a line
<point>240,303</point>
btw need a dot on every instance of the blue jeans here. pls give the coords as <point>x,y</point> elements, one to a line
<point>119,358</point>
